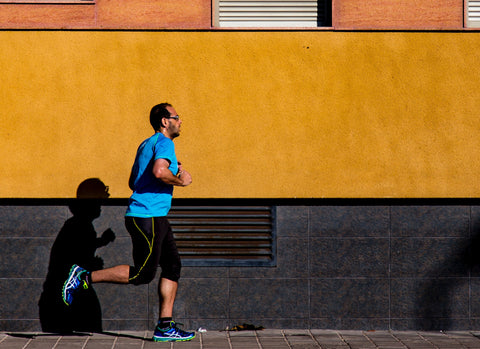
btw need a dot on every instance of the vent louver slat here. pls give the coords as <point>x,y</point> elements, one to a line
<point>224,235</point>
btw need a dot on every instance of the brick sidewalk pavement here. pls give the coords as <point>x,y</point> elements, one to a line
<point>266,339</point>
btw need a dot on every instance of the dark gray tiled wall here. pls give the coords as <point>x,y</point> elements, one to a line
<point>344,267</point>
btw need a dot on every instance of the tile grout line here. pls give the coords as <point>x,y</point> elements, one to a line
<point>455,340</point>
<point>56,343</point>
<point>27,344</point>
<point>398,340</point>
<point>114,342</point>
<point>229,340</point>
<point>229,283</point>
<point>309,271</point>
<point>314,339</point>
<point>258,340</point>
<point>343,339</point>
<point>428,341</point>
<point>369,339</point>
<point>470,235</point>
<point>86,341</point>
<point>285,339</point>
<point>390,224</point>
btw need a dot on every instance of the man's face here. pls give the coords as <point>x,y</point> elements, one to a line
<point>173,123</point>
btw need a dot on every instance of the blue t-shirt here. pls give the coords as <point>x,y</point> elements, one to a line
<point>151,197</point>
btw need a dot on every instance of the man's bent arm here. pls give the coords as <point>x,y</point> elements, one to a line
<point>161,171</point>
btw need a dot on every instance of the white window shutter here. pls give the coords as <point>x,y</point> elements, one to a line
<point>473,14</point>
<point>267,13</point>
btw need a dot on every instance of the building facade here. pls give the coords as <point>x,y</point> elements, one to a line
<point>333,147</point>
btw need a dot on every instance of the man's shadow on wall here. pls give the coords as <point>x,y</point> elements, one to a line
<point>439,299</point>
<point>76,243</point>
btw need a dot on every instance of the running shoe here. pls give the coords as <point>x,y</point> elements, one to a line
<point>172,334</point>
<point>74,281</point>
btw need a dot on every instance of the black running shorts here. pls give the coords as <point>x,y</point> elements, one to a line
<point>153,245</point>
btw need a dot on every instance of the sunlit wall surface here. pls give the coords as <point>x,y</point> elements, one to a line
<point>265,114</point>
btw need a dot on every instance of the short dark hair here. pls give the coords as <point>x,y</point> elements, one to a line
<point>157,113</point>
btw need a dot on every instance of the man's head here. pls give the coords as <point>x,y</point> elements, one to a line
<point>164,118</point>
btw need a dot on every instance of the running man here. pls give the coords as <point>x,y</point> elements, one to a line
<point>154,174</point>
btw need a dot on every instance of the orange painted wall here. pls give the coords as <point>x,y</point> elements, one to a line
<point>398,14</point>
<point>108,14</point>
<point>265,114</point>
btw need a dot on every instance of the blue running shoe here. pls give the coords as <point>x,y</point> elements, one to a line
<point>172,334</point>
<point>73,283</point>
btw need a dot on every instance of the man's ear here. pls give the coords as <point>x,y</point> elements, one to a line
<point>164,122</point>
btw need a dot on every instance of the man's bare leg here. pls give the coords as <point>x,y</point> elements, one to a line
<point>167,291</point>
<point>166,330</point>
<point>118,274</point>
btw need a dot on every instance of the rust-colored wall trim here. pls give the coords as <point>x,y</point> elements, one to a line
<point>398,14</point>
<point>108,14</point>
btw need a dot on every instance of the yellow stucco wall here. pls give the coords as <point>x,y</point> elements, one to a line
<point>265,114</point>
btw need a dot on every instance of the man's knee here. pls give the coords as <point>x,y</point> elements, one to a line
<point>141,277</point>
<point>172,272</point>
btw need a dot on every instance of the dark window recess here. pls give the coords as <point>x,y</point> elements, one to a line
<point>324,13</point>
<point>224,235</point>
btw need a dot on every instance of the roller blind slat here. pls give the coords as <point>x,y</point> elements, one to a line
<point>473,13</point>
<point>268,13</point>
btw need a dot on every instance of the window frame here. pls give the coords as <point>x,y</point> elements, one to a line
<point>324,5</point>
